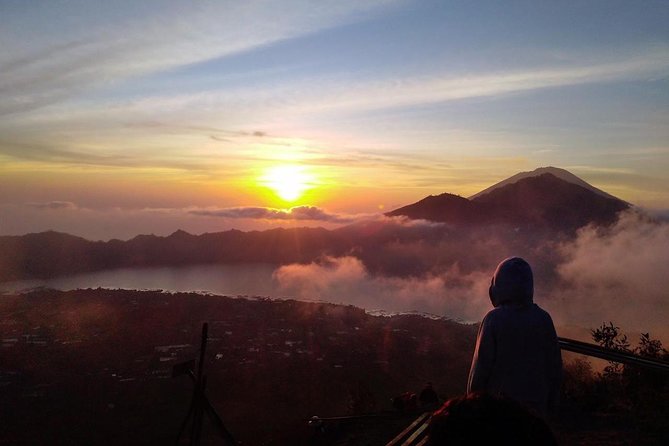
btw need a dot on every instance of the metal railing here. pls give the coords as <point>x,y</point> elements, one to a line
<point>415,433</point>
<point>596,351</point>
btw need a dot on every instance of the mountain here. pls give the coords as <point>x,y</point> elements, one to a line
<point>549,201</point>
<point>522,213</point>
<point>537,200</point>
<point>562,174</point>
<point>447,208</point>
<point>51,254</point>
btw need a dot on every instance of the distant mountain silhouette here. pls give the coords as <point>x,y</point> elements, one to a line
<point>542,201</point>
<point>522,212</point>
<point>447,208</point>
<point>51,254</point>
<point>549,201</point>
<point>556,171</point>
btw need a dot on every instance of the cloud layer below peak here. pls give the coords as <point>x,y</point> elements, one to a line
<point>311,213</point>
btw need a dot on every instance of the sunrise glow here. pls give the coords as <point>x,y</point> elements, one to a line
<point>299,178</point>
<point>340,105</point>
<point>288,182</point>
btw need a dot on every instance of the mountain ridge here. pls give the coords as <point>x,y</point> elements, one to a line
<point>530,209</point>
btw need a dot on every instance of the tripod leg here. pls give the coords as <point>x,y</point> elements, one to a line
<point>198,414</point>
<point>216,420</point>
<point>190,413</point>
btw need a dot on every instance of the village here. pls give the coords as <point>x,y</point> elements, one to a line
<point>104,358</point>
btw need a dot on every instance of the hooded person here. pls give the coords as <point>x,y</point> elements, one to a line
<point>517,353</point>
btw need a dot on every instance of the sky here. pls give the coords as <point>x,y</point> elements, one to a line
<point>120,118</point>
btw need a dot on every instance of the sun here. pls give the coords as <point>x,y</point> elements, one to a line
<point>288,182</point>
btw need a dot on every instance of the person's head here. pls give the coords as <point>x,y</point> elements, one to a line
<point>484,419</point>
<point>512,283</point>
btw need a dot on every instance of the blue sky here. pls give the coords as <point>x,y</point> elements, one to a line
<point>126,107</point>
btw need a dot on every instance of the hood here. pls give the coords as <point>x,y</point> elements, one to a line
<point>512,283</point>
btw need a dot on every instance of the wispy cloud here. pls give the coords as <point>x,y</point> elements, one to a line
<point>59,61</point>
<point>304,97</point>
<point>436,88</point>
<point>297,213</point>
<point>311,213</point>
<point>99,126</point>
<point>660,214</point>
<point>602,170</point>
<point>53,205</point>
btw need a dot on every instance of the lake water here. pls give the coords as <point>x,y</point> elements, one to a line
<point>254,279</point>
<point>230,280</point>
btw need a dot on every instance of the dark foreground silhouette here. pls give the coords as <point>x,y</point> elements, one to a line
<point>486,420</point>
<point>95,367</point>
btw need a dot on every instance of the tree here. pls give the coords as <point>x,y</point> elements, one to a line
<point>640,389</point>
<point>651,348</point>
<point>609,336</point>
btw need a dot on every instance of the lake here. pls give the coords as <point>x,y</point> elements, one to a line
<point>230,280</point>
<point>377,295</point>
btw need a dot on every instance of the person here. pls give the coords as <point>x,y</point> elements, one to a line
<point>480,418</point>
<point>428,397</point>
<point>517,353</point>
<point>405,402</point>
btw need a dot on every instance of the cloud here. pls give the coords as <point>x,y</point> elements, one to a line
<point>312,213</point>
<point>104,132</point>
<point>617,274</point>
<point>341,93</point>
<point>52,205</point>
<point>109,44</point>
<point>603,274</point>
<point>306,213</point>
<point>660,214</point>
<point>442,87</point>
<point>344,94</point>
<point>404,221</point>
<point>309,213</point>
<point>98,221</point>
<point>347,280</point>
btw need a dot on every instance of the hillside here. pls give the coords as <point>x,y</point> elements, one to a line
<point>95,367</point>
<point>97,364</point>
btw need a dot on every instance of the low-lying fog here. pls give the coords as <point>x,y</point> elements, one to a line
<point>619,274</point>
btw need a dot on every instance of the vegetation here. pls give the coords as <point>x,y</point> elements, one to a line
<point>623,398</point>
<point>94,366</point>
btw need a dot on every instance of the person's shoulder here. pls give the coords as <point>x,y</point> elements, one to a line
<point>542,313</point>
<point>540,310</point>
<point>492,315</point>
<point>492,312</point>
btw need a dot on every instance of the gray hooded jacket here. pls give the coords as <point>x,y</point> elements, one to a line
<point>517,354</point>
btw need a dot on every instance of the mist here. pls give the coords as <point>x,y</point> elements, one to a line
<point>346,280</point>
<point>614,274</point>
<point>595,275</point>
